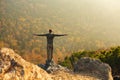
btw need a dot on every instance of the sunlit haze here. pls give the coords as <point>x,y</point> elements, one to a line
<point>90,24</point>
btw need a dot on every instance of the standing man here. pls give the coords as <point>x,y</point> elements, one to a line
<point>50,36</point>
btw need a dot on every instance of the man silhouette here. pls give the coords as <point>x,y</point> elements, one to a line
<point>50,38</point>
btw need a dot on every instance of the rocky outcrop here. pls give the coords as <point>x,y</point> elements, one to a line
<point>93,67</point>
<point>13,67</point>
<point>52,67</point>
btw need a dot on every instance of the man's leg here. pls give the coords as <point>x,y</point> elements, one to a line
<point>48,53</point>
<point>51,53</point>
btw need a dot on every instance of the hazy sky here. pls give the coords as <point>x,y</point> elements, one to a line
<point>105,11</point>
<point>98,15</point>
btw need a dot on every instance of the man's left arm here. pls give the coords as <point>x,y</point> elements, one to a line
<point>60,34</point>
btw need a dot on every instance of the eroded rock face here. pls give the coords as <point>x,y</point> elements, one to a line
<point>12,66</point>
<point>94,67</point>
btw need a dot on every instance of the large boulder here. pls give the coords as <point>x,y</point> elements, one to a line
<point>14,67</point>
<point>93,67</point>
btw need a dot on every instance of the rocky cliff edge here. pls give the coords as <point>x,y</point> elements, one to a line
<point>14,67</point>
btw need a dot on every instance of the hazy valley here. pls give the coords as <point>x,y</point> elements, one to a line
<point>90,25</point>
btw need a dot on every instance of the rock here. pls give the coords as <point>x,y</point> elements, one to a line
<point>94,67</point>
<point>116,77</point>
<point>51,67</point>
<point>54,68</point>
<point>12,66</point>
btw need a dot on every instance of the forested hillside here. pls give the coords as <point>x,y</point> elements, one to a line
<point>89,27</point>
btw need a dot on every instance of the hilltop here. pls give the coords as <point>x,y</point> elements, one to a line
<point>15,67</point>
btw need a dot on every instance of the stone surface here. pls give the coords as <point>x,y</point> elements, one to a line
<point>94,67</point>
<point>51,67</point>
<point>12,66</point>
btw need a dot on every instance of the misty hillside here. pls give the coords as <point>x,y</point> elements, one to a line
<point>90,25</point>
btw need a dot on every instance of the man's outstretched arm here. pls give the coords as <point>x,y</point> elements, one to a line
<point>39,34</point>
<point>60,34</point>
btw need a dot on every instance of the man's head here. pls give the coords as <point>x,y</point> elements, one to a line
<point>50,31</point>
